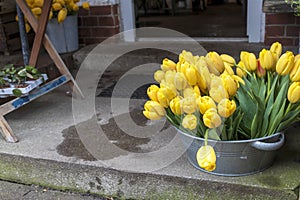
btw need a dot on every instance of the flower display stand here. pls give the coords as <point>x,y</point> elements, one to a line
<point>40,38</point>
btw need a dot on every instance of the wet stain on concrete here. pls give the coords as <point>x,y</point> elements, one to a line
<point>270,181</point>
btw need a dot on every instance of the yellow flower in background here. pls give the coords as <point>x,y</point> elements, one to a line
<point>189,104</point>
<point>204,103</point>
<point>191,75</point>
<point>217,90</point>
<point>276,47</point>
<point>214,62</point>
<point>188,92</point>
<point>164,95</point>
<point>249,60</point>
<point>295,73</point>
<point>240,70</point>
<point>180,82</point>
<point>204,74</point>
<point>211,118</point>
<point>152,92</point>
<point>168,65</point>
<point>229,84</point>
<point>268,59</point>
<point>206,158</point>
<point>226,107</point>
<point>86,5</point>
<point>153,110</point>
<point>285,63</point>
<point>197,91</point>
<point>189,122</point>
<point>297,57</point>
<point>186,56</point>
<point>294,92</point>
<point>159,75</point>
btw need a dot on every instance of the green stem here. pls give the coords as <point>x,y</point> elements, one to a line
<point>206,137</point>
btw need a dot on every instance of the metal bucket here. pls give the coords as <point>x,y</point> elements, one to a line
<point>237,158</point>
<point>64,36</point>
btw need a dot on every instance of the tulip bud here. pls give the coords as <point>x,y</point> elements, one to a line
<point>206,158</point>
<point>197,91</point>
<point>170,76</point>
<point>268,60</point>
<point>228,59</point>
<point>153,110</point>
<point>187,92</point>
<point>241,69</point>
<point>297,57</point>
<point>226,107</point>
<point>276,47</point>
<point>152,92</point>
<point>189,122</point>
<point>217,90</point>
<point>168,65</point>
<point>204,75</point>
<point>261,72</point>
<point>186,56</point>
<point>295,73</point>
<point>229,84</point>
<point>238,80</point>
<point>191,75</point>
<point>204,103</point>
<point>294,92</point>
<point>180,82</point>
<point>159,75</point>
<point>189,104</point>
<point>285,63</point>
<point>175,106</point>
<point>165,95</point>
<point>228,69</point>
<point>214,63</point>
<point>249,60</point>
<point>211,118</point>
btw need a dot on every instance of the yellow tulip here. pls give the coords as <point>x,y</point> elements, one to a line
<point>186,56</point>
<point>180,82</point>
<point>204,74</point>
<point>189,91</point>
<point>294,92</point>
<point>159,75</point>
<point>249,60</point>
<point>297,57</point>
<point>268,59</point>
<point>285,63</point>
<point>240,70</point>
<point>211,118</point>
<point>197,91</point>
<point>204,103</point>
<point>226,107</point>
<point>191,75</point>
<point>165,95</point>
<point>170,87</point>
<point>170,76</point>
<point>189,104</point>
<point>295,73</point>
<point>229,84</point>
<point>228,59</point>
<point>152,92</point>
<point>238,80</point>
<point>189,122</point>
<point>206,158</point>
<point>153,110</point>
<point>228,69</point>
<point>214,63</point>
<point>276,47</point>
<point>86,5</point>
<point>175,105</point>
<point>217,90</point>
<point>168,65</point>
<point>56,6</point>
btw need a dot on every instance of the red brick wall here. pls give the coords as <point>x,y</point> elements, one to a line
<point>98,23</point>
<point>282,27</point>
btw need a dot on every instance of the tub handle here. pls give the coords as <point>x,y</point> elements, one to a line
<point>269,146</point>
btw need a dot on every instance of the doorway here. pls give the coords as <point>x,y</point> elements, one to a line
<point>218,19</point>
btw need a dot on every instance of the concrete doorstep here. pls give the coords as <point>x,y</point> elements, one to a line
<point>103,145</point>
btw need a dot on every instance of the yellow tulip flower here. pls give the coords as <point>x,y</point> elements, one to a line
<point>226,107</point>
<point>228,69</point>
<point>191,75</point>
<point>204,103</point>
<point>175,105</point>
<point>152,92</point>
<point>206,158</point>
<point>240,70</point>
<point>189,122</point>
<point>295,73</point>
<point>189,104</point>
<point>180,81</point>
<point>285,63</point>
<point>211,118</point>
<point>214,62</point>
<point>189,91</point>
<point>228,59</point>
<point>153,110</point>
<point>197,91</point>
<point>229,84</point>
<point>276,47</point>
<point>159,75</point>
<point>217,90</point>
<point>165,95</point>
<point>268,59</point>
<point>170,76</point>
<point>168,65</point>
<point>86,5</point>
<point>294,92</point>
<point>249,60</point>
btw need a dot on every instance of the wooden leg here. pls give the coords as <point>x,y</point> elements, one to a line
<point>7,131</point>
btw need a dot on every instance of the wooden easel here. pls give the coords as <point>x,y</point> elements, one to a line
<point>39,27</point>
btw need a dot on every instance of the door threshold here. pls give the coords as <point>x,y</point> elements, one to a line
<point>190,39</point>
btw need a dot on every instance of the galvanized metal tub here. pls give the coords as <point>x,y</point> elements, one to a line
<point>237,158</point>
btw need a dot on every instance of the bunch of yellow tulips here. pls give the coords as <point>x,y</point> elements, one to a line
<point>213,96</point>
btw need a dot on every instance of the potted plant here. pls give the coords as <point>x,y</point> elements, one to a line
<point>19,80</point>
<point>62,28</point>
<point>231,115</point>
